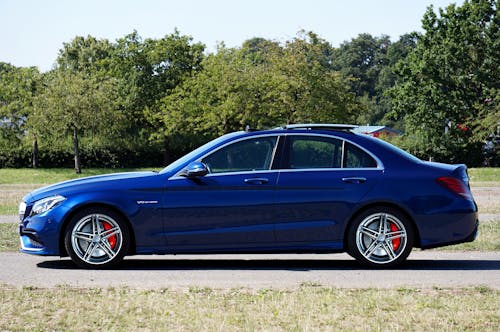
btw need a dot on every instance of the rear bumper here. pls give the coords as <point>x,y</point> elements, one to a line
<point>469,238</point>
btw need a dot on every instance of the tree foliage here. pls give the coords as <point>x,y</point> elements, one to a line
<point>133,99</point>
<point>18,86</point>
<point>261,84</point>
<point>449,83</point>
<point>368,63</point>
<point>74,104</point>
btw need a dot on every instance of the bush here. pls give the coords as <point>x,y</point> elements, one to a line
<point>446,148</point>
<point>15,157</point>
<point>91,156</point>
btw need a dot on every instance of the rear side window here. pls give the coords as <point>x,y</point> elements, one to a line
<point>314,152</point>
<point>357,158</point>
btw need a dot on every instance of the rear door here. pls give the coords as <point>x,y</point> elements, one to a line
<point>321,180</point>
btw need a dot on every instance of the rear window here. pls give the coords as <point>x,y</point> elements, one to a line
<point>394,149</point>
<point>357,158</point>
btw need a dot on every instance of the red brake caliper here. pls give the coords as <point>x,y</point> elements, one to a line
<point>112,238</point>
<point>395,242</point>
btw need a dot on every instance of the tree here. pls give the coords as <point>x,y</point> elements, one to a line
<point>85,54</point>
<point>449,84</point>
<point>367,62</point>
<point>144,70</point>
<point>74,103</point>
<point>152,68</point>
<point>261,84</point>
<point>18,88</point>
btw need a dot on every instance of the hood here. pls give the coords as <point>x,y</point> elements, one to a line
<point>102,181</point>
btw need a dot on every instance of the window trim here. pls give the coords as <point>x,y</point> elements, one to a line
<point>279,152</point>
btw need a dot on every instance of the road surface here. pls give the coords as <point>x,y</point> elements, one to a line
<point>424,269</point>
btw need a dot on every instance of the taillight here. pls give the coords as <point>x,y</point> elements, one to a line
<point>455,185</point>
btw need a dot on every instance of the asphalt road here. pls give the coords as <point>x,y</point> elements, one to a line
<point>424,269</point>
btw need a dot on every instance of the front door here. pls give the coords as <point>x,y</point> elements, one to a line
<point>232,207</point>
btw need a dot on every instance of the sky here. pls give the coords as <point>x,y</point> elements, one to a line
<point>33,31</point>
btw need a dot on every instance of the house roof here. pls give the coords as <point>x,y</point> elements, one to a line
<point>375,129</point>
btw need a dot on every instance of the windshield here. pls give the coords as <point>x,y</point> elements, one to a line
<point>198,151</point>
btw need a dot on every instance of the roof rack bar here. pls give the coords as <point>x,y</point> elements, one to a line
<point>320,126</point>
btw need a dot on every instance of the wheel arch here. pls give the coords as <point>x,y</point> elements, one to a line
<point>416,242</point>
<point>69,216</point>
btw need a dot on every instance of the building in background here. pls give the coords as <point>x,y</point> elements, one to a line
<point>377,131</point>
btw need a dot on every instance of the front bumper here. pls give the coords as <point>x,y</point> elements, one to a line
<point>39,235</point>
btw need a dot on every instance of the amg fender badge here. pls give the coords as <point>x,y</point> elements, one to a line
<point>147,202</point>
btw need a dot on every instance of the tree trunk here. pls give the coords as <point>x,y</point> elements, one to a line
<point>78,167</point>
<point>34,156</point>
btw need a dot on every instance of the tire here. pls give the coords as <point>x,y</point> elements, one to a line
<point>97,238</point>
<point>380,237</point>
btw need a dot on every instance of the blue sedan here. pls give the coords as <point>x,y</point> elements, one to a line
<point>295,189</point>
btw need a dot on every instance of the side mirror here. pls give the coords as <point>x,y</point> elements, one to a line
<point>195,169</point>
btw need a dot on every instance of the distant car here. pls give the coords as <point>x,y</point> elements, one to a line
<point>296,189</point>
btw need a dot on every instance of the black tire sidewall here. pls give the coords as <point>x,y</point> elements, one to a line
<point>352,247</point>
<point>104,211</point>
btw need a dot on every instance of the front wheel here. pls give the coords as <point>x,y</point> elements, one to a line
<point>97,238</point>
<point>380,237</point>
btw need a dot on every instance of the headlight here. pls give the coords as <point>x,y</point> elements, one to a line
<point>22,210</point>
<point>46,204</point>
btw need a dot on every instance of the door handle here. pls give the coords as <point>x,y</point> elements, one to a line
<point>356,180</point>
<point>257,181</point>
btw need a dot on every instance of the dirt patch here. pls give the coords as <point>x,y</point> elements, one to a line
<point>487,199</point>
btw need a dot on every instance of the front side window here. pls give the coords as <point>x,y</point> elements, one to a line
<point>314,152</point>
<point>249,155</point>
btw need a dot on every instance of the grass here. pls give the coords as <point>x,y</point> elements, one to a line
<point>309,307</point>
<point>9,239</point>
<point>15,183</point>
<point>29,176</point>
<point>487,176</point>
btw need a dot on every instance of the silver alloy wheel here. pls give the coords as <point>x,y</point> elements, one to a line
<point>96,239</point>
<point>381,238</point>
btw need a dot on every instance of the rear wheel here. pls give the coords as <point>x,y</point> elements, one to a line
<point>97,238</point>
<point>380,237</point>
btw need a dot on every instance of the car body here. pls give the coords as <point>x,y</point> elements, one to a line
<point>300,188</point>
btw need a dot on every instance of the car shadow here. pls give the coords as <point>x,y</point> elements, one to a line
<point>278,264</point>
